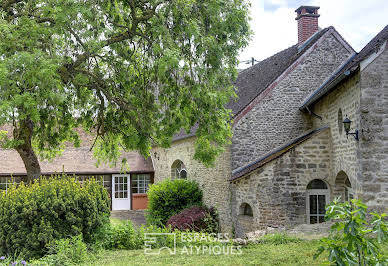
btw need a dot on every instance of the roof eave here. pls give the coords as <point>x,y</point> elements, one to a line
<point>325,88</point>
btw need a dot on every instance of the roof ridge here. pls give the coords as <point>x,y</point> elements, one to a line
<point>267,58</point>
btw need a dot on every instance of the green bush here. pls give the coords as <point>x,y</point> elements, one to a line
<point>355,239</point>
<point>169,197</point>
<point>31,216</point>
<point>117,236</point>
<point>69,251</point>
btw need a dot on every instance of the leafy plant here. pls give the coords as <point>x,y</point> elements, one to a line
<point>356,238</point>
<point>197,218</point>
<point>69,251</point>
<point>169,197</point>
<point>117,236</point>
<point>31,216</point>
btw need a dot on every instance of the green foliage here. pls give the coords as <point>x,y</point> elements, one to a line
<point>355,239</point>
<point>169,197</point>
<point>70,251</point>
<point>117,236</point>
<point>279,239</point>
<point>31,216</point>
<point>134,72</point>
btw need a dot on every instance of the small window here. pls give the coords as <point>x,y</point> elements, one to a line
<point>178,170</point>
<point>340,121</point>
<point>140,183</point>
<point>316,201</point>
<point>246,209</point>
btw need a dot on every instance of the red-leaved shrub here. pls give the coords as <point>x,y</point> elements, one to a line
<point>197,218</point>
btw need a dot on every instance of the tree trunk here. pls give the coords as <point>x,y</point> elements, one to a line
<point>25,150</point>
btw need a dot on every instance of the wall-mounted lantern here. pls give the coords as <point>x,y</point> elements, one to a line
<point>347,122</point>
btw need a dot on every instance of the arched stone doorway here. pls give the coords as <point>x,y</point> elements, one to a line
<point>317,197</point>
<point>343,187</point>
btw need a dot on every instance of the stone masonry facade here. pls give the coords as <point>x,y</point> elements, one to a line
<point>213,180</point>
<point>276,118</point>
<point>277,191</point>
<point>373,120</point>
<point>346,100</point>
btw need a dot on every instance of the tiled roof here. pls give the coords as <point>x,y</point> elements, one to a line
<point>73,160</point>
<point>348,68</point>
<point>244,170</point>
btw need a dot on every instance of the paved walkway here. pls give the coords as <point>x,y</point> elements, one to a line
<point>136,216</point>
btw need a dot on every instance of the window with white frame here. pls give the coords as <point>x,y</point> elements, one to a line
<point>178,170</point>
<point>6,182</point>
<point>317,199</point>
<point>140,183</point>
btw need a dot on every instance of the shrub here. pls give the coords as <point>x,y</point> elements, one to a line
<point>354,239</point>
<point>117,236</point>
<point>31,216</point>
<point>197,218</point>
<point>169,197</point>
<point>69,251</point>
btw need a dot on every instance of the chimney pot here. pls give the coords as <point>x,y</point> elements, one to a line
<point>307,17</point>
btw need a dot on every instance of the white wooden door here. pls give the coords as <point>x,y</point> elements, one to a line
<point>121,196</point>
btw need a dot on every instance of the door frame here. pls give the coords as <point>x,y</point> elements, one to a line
<point>129,194</point>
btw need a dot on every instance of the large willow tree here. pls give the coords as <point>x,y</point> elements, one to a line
<point>133,72</point>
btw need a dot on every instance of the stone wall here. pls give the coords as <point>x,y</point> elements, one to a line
<point>344,97</point>
<point>277,119</point>
<point>277,191</point>
<point>213,181</point>
<point>374,132</point>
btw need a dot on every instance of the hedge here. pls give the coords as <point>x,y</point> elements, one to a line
<point>34,215</point>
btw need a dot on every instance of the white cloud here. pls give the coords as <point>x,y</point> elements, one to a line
<point>275,27</point>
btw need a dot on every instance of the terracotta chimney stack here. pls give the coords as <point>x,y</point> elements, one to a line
<point>307,17</point>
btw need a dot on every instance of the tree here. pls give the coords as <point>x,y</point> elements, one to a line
<point>134,72</point>
<point>357,237</point>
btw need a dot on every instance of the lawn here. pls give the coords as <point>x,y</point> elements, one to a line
<point>260,254</point>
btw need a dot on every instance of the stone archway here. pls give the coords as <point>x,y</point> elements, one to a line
<point>343,187</point>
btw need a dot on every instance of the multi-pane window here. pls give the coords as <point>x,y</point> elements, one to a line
<point>178,170</point>
<point>6,182</point>
<point>140,183</point>
<point>317,198</point>
<point>121,187</point>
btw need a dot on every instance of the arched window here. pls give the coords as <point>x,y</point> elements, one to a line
<point>343,187</point>
<point>178,170</point>
<point>246,209</point>
<point>317,199</point>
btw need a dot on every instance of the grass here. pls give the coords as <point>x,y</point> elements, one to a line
<point>267,253</point>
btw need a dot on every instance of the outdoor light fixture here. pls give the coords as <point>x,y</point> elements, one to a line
<point>347,123</point>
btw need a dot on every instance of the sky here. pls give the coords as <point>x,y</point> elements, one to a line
<point>275,28</point>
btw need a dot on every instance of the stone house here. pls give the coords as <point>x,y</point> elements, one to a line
<point>290,153</point>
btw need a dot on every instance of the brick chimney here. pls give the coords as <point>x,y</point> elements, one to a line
<point>307,17</point>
